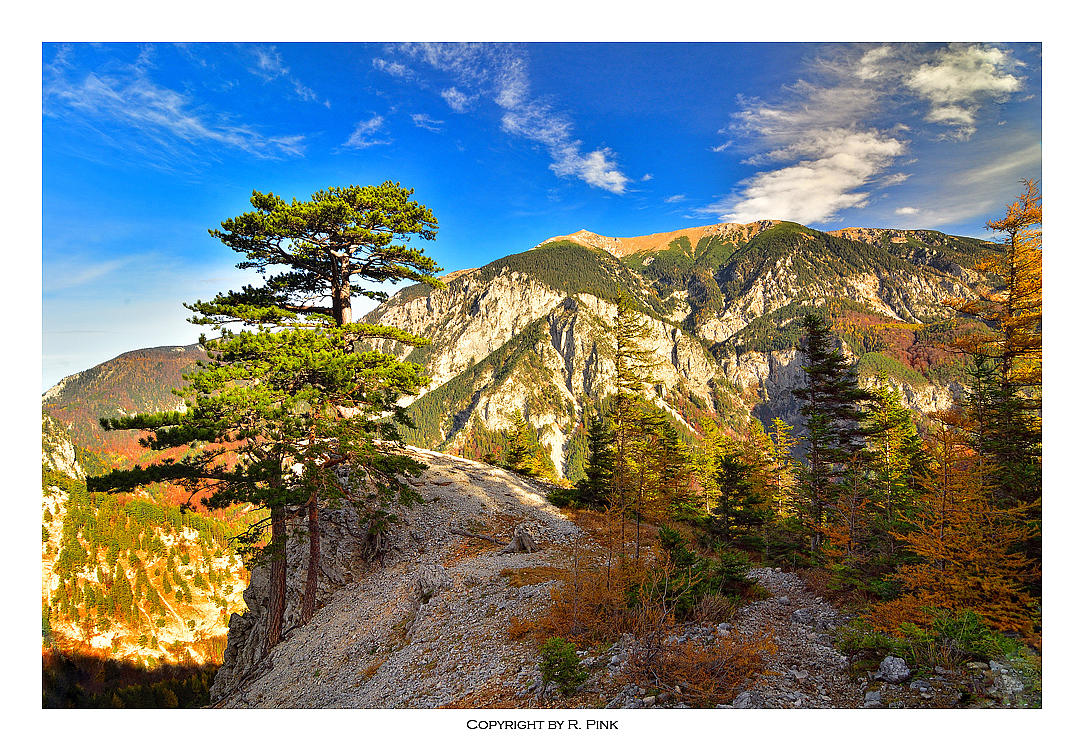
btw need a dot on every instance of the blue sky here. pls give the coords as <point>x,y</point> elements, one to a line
<point>145,147</point>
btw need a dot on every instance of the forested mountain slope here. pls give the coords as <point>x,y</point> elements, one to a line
<point>131,577</point>
<point>530,332</point>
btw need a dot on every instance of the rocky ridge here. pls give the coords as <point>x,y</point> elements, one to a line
<point>430,627</point>
<point>621,247</point>
<point>426,627</point>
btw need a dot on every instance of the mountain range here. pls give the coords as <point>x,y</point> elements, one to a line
<point>530,332</point>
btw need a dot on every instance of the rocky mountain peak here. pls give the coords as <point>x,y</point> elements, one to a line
<point>622,247</point>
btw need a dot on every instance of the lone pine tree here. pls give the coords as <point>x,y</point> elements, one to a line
<point>293,406</point>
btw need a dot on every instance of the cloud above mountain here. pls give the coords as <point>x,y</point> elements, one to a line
<point>499,74</point>
<point>832,139</point>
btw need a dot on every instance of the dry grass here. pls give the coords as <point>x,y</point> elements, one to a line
<point>714,609</point>
<point>520,628</point>
<point>533,575</point>
<point>704,675</point>
<point>490,697</point>
<point>371,670</point>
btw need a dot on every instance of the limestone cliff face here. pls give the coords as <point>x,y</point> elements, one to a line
<point>469,319</point>
<point>718,301</point>
<point>57,451</point>
<point>561,356</point>
<point>910,295</point>
<point>769,378</point>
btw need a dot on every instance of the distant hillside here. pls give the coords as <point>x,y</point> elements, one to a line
<point>134,382</point>
<point>128,576</point>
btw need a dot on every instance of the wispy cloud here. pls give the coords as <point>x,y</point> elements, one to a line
<point>499,73</point>
<point>269,63</point>
<point>360,138</point>
<point>831,140</point>
<point>269,66</point>
<point>159,118</point>
<point>78,272</point>
<point>395,69</point>
<point>425,121</point>
<point>457,100</point>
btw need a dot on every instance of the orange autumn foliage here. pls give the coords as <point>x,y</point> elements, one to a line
<point>965,542</point>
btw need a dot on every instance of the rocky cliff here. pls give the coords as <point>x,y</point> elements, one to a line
<point>530,332</point>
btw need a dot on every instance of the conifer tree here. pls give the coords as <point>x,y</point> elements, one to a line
<point>293,390</point>
<point>1004,399</point>
<point>849,534</point>
<point>895,459</point>
<point>965,543</point>
<point>593,491</point>
<point>783,477</point>
<point>830,404</point>
<point>520,455</point>
<point>631,365</point>
<point>737,478</point>
<point>1014,306</point>
<point>673,461</point>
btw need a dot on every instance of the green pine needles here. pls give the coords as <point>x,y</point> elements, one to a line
<point>559,663</point>
<point>294,407</point>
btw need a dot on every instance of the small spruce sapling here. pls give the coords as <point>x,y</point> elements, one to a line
<point>559,664</point>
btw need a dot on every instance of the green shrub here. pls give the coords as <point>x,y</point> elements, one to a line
<point>966,632</point>
<point>691,577</point>
<point>559,664</point>
<point>952,637</point>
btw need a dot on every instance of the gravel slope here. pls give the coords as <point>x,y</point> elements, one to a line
<point>430,626</point>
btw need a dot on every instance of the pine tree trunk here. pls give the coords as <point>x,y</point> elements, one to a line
<point>308,603</point>
<point>277,595</point>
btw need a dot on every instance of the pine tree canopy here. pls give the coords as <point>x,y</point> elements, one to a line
<point>326,244</point>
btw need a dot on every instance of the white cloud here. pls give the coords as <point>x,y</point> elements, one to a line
<point>965,75</point>
<point>895,179</point>
<point>597,168</point>
<point>829,141</point>
<point>161,119</point>
<point>425,121</point>
<point>674,199</point>
<point>395,69</point>
<point>907,210</point>
<point>457,100</point>
<point>814,190</point>
<point>359,139</point>
<point>500,72</point>
<point>954,82</point>
<point>270,65</point>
